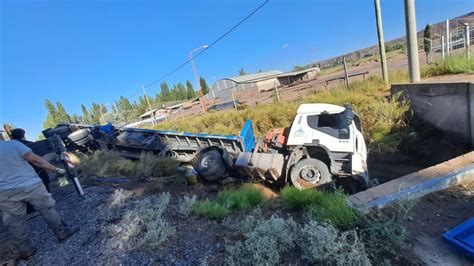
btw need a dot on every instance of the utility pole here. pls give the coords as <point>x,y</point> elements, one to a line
<point>383,59</point>
<point>412,42</point>
<point>149,105</point>
<point>196,76</point>
<point>346,75</point>
<point>447,39</point>
<point>467,40</point>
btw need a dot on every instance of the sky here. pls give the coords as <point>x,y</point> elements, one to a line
<point>79,52</point>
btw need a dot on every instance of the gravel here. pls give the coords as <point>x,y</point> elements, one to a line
<point>195,242</point>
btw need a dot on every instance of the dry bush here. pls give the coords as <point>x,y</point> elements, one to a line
<point>264,242</point>
<point>455,64</point>
<point>106,164</point>
<point>144,225</point>
<point>119,197</point>
<point>384,234</point>
<point>185,206</point>
<point>321,243</point>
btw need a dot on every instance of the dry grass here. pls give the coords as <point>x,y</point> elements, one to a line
<point>383,117</point>
<point>456,64</point>
<point>104,164</point>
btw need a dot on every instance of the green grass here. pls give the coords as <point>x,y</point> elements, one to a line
<point>211,209</point>
<point>300,199</point>
<point>456,64</point>
<point>328,207</point>
<point>333,209</point>
<point>244,198</point>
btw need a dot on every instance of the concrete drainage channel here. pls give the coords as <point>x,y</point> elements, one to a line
<point>417,184</point>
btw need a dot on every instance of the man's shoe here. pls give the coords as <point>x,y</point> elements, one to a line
<point>66,232</point>
<point>25,254</point>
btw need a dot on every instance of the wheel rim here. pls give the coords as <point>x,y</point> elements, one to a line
<point>308,177</point>
<point>208,160</point>
<point>310,174</point>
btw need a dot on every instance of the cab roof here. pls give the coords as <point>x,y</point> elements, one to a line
<point>319,108</point>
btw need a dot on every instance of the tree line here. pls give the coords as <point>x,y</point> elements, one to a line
<point>123,110</point>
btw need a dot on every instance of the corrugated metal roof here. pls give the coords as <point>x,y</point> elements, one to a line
<point>147,113</point>
<point>256,76</point>
<point>294,73</point>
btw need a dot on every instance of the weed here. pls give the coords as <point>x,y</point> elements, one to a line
<point>151,165</point>
<point>264,242</point>
<point>384,235</point>
<point>119,197</point>
<point>328,207</point>
<point>300,199</point>
<point>456,64</point>
<point>211,209</point>
<point>243,198</point>
<point>144,225</point>
<point>103,164</point>
<point>333,208</point>
<point>185,206</point>
<point>322,243</point>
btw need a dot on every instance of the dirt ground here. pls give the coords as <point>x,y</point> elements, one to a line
<point>435,214</point>
<point>200,240</point>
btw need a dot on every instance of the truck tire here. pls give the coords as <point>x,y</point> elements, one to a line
<point>61,131</point>
<point>80,137</point>
<point>310,173</point>
<point>209,165</point>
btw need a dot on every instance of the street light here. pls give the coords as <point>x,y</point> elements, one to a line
<point>201,96</point>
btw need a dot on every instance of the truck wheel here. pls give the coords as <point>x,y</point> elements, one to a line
<point>209,164</point>
<point>61,131</point>
<point>309,173</point>
<point>79,137</point>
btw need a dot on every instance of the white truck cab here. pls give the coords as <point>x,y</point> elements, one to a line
<point>335,129</point>
<point>323,142</point>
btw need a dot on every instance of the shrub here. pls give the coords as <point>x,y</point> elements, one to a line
<point>185,206</point>
<point>211,209</point>
<point>145,225</point>
<point>455,64</point>
<point>328,207</point>
<point>264,241</point>
<point>151,165</point>
<point>103,164</point>
<point>384,235</point>
<point>321,243</point>
<point>300,199</point>
<point>243,198</point>
<point>120,196</point>
<point>333,208</point>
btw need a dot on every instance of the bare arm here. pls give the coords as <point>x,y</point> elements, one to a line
<point>39,161</point>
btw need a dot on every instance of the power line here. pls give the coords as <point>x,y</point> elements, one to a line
<point>209,46</point>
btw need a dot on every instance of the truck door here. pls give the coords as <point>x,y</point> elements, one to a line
<point>329,130</point>
<point>359,157</point>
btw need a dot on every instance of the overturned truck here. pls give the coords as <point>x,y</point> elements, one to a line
<point>323,143</point>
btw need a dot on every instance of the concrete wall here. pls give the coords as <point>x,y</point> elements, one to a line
<point>447,106</point>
